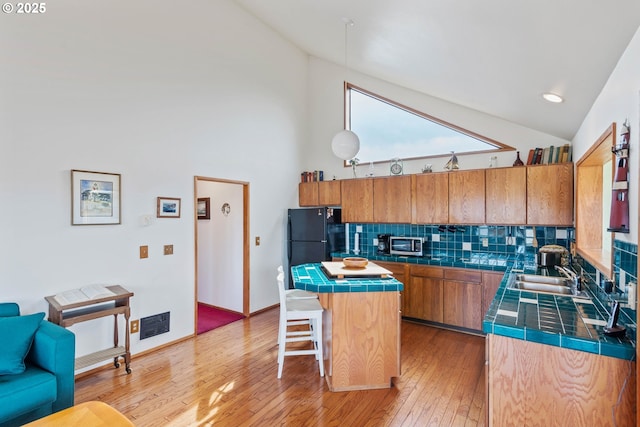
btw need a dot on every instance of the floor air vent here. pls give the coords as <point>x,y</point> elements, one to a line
<point>154,325</point>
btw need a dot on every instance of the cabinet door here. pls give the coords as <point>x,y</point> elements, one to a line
<point>550,194</point>
<point>392,199</point>
<point>506,195</point>
<point>400,273</point>
<point>462,304</point>
<point>490,284</point>
<point>357,200</point>
<point>423,299</point>
<point>329,193</point>
<point>431,198</point>
<point>466,197</point>
<point>308,194</point>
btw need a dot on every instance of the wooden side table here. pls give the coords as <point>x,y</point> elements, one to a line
<point>116,304</point>
<point>94,414</point>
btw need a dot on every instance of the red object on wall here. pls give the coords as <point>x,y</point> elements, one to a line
<point>619,219</point>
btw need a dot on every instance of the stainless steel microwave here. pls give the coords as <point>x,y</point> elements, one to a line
<point>410,246</point>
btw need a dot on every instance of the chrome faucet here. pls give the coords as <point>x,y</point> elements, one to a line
<point>576,281</point>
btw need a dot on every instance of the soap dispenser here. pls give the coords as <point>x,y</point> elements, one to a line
<point>631,295</point>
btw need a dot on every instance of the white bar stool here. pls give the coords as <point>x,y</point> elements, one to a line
<point>297,293</point>
<point>308,310</point>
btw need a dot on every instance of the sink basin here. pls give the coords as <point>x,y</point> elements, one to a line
<point>544,284</point>
<point>533,278</point>
<point>543,287</point>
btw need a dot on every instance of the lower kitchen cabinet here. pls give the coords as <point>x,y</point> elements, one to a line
<point>423,296</point>
<point>536,384</point>
<point>462,298</point>
<point>455,297</point>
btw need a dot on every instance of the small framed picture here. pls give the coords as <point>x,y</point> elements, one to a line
<point>168,207</point>
<point>204,204</point>
<point>95,198</point>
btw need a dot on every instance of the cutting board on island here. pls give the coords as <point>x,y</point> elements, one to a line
<point>337,270</point>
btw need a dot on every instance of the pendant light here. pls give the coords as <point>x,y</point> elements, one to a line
<point>345,144</point>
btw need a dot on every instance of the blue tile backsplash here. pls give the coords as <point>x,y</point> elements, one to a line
<point>499,240</point>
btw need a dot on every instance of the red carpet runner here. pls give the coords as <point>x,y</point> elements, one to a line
<point>210,318</point>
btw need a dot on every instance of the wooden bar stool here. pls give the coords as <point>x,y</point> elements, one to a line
<point>310,312</point>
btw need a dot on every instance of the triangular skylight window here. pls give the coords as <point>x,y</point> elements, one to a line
<point>389,130</point>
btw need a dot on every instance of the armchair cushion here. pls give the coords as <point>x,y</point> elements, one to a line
<point>16,335</point>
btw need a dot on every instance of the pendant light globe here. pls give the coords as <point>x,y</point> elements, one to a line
<point>345,144</point>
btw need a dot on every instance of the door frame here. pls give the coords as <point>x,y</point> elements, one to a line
<point>245,243</point>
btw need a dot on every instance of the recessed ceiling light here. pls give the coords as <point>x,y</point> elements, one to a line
<point>552,97</point>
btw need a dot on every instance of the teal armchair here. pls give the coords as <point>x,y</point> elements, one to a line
<point>46,384</point>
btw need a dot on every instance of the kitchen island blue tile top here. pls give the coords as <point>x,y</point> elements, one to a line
<point>561,321</point>
<point>311,277</point>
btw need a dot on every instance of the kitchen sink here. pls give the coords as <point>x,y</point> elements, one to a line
<point>544,284</point>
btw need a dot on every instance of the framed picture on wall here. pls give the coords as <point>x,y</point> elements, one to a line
<point>168,207</point>
<point>203,208</point>
<point>95,198</point>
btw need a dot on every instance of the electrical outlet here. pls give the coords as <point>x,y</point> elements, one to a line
<point>257,240</point>
<point>168,249</point>
<point>485,242</point>
<point>144,252</point>
<point>135,326</point>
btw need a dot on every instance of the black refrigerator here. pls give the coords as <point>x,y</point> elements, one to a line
<point>312,234</point>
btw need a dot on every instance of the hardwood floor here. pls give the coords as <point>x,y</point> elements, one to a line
<point>227,377</point>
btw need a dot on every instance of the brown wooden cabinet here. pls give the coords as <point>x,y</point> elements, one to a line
<point>329,193</point>
<point>422,298</point>
<point>392,199</point>
<point>462,298</point>
<point>506,196</point>
<point>308,194</point>
<point>400,273</point>
<point>537,384</point>
<point>550,194</point>
<point>319,193</point>
<point>466,197</point>
<point>430,196</point>
<point>357,200</point>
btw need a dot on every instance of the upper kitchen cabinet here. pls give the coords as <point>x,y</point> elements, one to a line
<point>308,194</point>
<point>357,200</point>
<point>506,195</point>
<point>431,198</point>
<point>550,194</point>
<point>392,199</point>
<point>319,193</point>
<point>466,197</point>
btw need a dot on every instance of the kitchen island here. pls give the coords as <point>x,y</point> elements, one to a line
<point>361,327</point>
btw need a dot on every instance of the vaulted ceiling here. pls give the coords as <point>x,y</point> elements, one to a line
<point>495,56</point>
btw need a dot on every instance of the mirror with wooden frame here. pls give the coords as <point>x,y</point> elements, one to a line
<point>594,176</point>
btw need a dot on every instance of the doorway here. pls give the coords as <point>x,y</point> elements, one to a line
<point>221,245</point>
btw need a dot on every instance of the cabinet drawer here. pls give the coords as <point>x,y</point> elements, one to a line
<point>464,275</point>
<point>427,271</point>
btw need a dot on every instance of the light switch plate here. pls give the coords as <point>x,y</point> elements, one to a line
<point>168,249</point>
<point>144,252</point>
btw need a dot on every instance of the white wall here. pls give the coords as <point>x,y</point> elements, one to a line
<point>159,92</point>
<point>220,247</point>
<point>619,100</point>
<point>327,117</point>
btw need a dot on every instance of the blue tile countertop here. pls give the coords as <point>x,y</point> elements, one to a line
<point>477,260</point>
<point>311,277</point>
<point>561,321</point>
